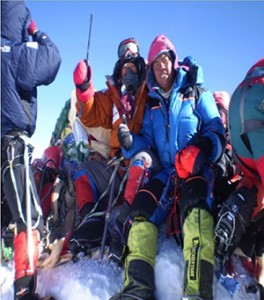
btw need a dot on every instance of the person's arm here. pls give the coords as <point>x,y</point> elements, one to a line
<point>93,108</point>
<point>211,136</point>
<point>39,61</point>
<point>143,140</point>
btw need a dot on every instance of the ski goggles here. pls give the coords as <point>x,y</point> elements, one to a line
<point>128,47</point>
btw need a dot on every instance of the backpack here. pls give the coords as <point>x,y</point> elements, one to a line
<point>254,76</point>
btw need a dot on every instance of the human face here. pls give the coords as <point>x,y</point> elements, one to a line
<point>130,66</point>
<point>163,71</point>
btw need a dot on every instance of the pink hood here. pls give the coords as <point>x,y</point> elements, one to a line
<point>159,45</point>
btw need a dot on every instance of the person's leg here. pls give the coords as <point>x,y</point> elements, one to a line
<point>142,238</point>
<point>137,175</point>
<point>198,242</point>
<point>198,254</point>
<point>139,264</point>
<point>14,180</point>
<point>91,182</point>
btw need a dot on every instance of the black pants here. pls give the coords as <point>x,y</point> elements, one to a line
<point>16,197</point>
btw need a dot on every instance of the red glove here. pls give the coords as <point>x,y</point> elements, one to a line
<point>189,161</point>
<point>32,28</point>
<point>82,79</point>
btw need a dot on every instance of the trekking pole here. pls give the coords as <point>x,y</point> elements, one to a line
<point>109,207</point>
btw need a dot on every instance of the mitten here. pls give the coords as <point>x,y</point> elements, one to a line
<point>189,161</point>
<point>32,29</point>
<point>82,79</point>
<point>204,143</point>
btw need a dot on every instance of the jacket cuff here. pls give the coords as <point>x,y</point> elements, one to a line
<point>86,95</point>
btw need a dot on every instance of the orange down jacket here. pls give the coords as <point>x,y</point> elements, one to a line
<point>104,109</point>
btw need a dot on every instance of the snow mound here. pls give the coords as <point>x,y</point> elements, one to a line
<point>92,279</point>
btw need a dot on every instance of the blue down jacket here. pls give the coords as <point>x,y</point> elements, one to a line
<point>25,65</point>
<point>170,130</point>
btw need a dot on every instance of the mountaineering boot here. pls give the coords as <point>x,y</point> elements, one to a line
<point>25,276</point>
<point>232,222</point>
<point>139,264</point>
<point>198,253</point>
<point>25,288</point>
<point>87,237</point>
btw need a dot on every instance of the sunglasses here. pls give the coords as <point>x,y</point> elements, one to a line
<point>128,48</point>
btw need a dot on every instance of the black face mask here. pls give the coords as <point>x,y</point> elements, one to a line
<point>131,81</point>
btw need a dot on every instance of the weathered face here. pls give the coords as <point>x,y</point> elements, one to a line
<point>163,71</point>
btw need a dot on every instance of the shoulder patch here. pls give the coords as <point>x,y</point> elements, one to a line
<point>33,45</point>
<point>6,48</point>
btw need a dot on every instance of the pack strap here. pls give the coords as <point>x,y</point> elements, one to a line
<point>173,223</point>
<point>192,91</point>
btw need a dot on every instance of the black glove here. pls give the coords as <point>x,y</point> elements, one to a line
<point>225,167</point>
<point>191,62</point>
<point>204,143</point>
<point>124,136</point>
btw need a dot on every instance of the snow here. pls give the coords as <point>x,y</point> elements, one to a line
<point>92,279</point>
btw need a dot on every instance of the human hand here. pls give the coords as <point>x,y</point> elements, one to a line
<point>32,29</point>
<point>195,71</point>
<point>82,75</point>
<point>124,136</point>
<point>54,256</point>
<point>204,143</point>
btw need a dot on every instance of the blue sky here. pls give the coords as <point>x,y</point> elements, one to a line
<point>225,37</point>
